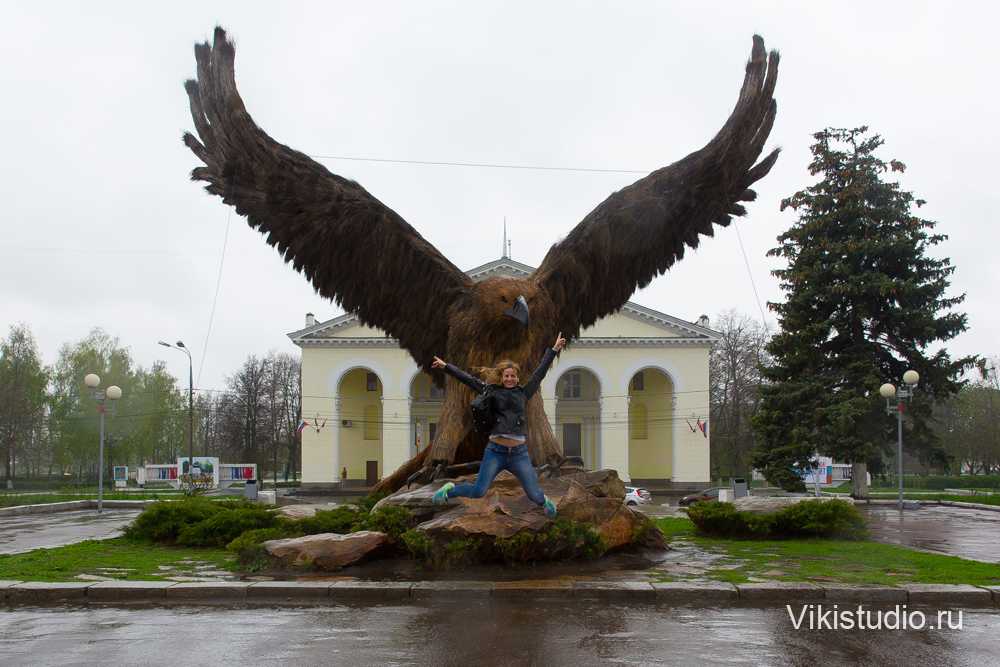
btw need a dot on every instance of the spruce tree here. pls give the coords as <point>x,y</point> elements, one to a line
<point>864,303</point>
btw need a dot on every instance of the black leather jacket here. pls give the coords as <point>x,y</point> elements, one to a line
<point>508,404</point>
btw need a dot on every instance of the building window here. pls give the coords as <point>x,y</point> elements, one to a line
<point>372,426</point>
<point>371,382</point>
<point>432,429</point>
<point>572,440</point>
<point>437,393</point>
<point>638,382</point>
<point>638,424</point>
<point>571,385</point>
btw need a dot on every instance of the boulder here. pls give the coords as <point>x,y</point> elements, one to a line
<point>326,551</point>
<point>762,504</point>
<point>303,511</point>
<point>615,522</point>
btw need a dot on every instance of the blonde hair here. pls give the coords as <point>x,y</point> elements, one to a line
<point>493,375</point>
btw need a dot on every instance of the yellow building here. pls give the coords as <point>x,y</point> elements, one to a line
<point>627,395</point>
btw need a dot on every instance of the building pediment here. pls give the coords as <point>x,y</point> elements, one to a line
<point>633,325</point>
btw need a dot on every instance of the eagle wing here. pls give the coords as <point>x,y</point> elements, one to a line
<point>638,232</point>
<point>352,248</point>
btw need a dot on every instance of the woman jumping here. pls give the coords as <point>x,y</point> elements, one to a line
<point>507,449</point>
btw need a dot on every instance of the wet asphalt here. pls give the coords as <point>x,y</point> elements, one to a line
<point>34,531</point>
<point>473,633</point>
<point>968,533</point>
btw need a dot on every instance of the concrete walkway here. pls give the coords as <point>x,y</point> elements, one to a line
<point>20,533</point>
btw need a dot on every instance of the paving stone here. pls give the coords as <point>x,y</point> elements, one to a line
<point>208,590</point>
<point>373,591</point>
<point>48,591</point>
<point>949,594</point>
<point>532,588</point>
<point>864,594</point>
<point>289,590</point>
<point>615,590</point>
<point>694,592</point>
<point>427,589</point>
<point>779,591</point>
<point>129,591</point>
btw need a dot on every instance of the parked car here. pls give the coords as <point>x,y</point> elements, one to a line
<point>636,496</point>
<point>707,494</point>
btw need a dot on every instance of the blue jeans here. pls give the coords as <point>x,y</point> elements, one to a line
<point>497,458</point>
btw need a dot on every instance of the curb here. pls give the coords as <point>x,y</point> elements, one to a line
<point>71,505</point>
<point>688,594</point>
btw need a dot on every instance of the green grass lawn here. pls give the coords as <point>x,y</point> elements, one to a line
<point>143,561</point>
<point>17,499</point>
<point>823,560</point>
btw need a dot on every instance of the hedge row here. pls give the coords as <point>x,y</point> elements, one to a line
<point>809,518</point>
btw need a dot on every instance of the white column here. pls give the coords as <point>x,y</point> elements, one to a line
<point>395,432</point>
<point>614,434</point>
<point>549,402</point>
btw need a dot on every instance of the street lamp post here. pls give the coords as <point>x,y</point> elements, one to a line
<point>889,392</point>
<point>183,348</point>
<point>112,393</point>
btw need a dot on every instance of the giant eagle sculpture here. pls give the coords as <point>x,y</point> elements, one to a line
<point>360,253</point>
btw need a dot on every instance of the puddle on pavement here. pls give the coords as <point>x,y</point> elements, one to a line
<point>967,533</point>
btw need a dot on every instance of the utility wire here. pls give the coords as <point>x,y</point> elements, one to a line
<point>215,300</point>
<point>746,262</point>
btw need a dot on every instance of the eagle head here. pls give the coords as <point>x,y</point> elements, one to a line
<point>507,303</point>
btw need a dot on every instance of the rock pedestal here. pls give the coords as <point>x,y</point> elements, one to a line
<point>593,498</point>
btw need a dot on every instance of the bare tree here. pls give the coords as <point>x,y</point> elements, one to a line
<point>734,381</point>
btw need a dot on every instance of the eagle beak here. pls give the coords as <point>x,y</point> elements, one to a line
<point>519,311</point>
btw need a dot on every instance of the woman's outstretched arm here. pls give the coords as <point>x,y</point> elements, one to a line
<point>536,378</point>
<point>475,384</point>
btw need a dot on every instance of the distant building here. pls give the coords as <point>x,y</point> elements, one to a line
<point>628,394</point>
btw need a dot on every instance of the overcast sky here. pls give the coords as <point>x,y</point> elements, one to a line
<point>102,227</point>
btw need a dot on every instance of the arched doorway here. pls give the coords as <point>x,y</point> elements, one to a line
<point>650,425</point>
<point>426,401</point>
<point>578,415</point>
<point>359,397</point>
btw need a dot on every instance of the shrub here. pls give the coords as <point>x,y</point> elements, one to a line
<point>809,518</point>
<point>249,547</point>
<point>223,527</point>
<point>164,521</point>
<point>258,536</point>
<point>343,519</point>
<point>563,539</point>
<point>368,503</point>
<point>812,518</point>
<point>417,544</point>
<point>392,520</point>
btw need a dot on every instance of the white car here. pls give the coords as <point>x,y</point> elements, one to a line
<point>636,496</point>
